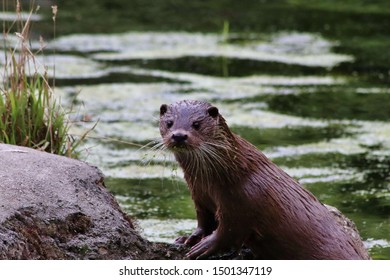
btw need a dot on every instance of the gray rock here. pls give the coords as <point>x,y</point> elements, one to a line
<point>53,207</point>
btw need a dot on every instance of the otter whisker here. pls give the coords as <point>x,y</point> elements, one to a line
<point>155,149</point>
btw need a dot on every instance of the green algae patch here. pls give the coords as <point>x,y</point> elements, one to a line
<point>288,48</point>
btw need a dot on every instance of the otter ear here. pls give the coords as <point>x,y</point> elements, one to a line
<point>213,111</point>
<point>163,109</point>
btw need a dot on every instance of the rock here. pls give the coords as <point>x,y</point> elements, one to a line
<point>53,207</point>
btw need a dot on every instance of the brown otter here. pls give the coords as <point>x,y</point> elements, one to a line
<point>241,197</point>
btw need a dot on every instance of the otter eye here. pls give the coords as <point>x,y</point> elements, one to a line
<point>169,124</point>
<point>196,125</point>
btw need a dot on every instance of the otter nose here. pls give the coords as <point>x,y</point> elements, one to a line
<point>179,137</point>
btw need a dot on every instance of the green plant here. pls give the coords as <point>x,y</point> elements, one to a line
<point>29,114</point>
<point>225,31</point>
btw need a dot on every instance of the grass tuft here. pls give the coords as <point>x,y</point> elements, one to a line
<point>29,114</point>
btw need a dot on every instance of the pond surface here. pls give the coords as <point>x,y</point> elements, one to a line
<point>316,105</point>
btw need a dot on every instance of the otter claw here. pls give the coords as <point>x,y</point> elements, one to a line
<point>193,239</point>
<point>198,253</point>
<point>181,240</point>
<point>189,240</point>
<point>203,249</point>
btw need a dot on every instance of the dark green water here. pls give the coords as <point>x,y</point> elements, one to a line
<point>327,123</point>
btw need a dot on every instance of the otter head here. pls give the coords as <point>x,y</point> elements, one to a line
<point>187,124</point>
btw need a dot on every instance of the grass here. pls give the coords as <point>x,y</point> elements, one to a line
<point>29,114</point>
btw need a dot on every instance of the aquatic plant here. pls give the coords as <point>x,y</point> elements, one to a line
<point>29,113</point>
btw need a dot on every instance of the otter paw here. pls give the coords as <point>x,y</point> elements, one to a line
<point>181,240</point>
<point>206,247</point>
<point>191,240</point>
<point>195,237</point>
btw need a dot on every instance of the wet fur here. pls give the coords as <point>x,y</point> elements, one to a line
<point>241,197</point>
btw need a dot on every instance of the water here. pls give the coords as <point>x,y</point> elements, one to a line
<point>312,101</point>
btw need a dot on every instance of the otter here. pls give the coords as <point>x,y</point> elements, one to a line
<point>243,198</point>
